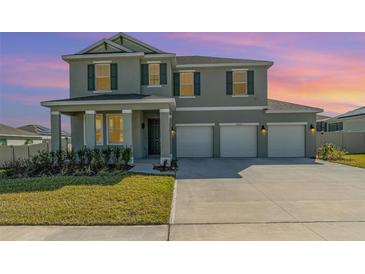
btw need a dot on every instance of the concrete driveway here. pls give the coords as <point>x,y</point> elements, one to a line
<point>268,199</point>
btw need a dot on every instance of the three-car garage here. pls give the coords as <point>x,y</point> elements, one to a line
<point>240,140</point>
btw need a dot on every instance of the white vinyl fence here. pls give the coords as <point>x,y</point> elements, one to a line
<point>352,142</point>
<point>10,153</point>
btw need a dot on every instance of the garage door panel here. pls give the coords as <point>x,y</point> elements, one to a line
<point>194,141</point>
<point>238,141</point>
<point>286,141</point>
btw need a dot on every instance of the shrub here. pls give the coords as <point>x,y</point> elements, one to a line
<point>330,152</point>
<point>82,162</point>
<point>126,155</point>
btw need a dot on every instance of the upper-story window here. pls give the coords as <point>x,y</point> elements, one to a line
<point>102,76</point>
<point>186,84</point>
<point>239,82</point>
<point>154,74</point>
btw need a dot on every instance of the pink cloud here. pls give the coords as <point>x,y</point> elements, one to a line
<point>33,71</point>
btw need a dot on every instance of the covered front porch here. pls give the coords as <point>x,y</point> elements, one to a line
<point>142,123</point>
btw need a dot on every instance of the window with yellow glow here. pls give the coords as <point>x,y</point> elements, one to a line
<point>239,82</point>
<point>102,76</point>
<point>154,74</point>
<point>186,84</point>
<point>99,128</point>
<point>115,129</point>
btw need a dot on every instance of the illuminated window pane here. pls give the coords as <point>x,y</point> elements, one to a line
<point>239,89</point>
<point>186,84</point>
<point>239,82</point>
<point>115,127</point>
<point>154,74</point>
<point>102,76</point>
<point>99,129</point>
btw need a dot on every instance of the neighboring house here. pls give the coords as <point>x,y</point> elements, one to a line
<point>42,131</point>
<point>10,136</point>
<point>321,122</point>
<point>125,92</point>
<point>353,120</point>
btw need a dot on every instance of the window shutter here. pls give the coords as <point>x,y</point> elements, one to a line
<point>144,75</point>
<point>197,83</point>
<point>229,83</point>
<point>250,82</point>
<point>91,77</point>
<point>114,76</point>
<point>163,74</point>
<point>176,84</point>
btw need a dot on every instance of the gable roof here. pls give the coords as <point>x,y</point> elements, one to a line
<point>322,117</point>
<point>209,60</point>
<point>119,43</point>
<point>41,130</point>
<point>11,131</point>
<point>356,112</point>
<point>276,106</point>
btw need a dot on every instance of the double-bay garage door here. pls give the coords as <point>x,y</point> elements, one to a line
<point>286,140</point>
<point>235,140</point>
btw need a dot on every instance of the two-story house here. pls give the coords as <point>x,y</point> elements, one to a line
<point>126,92</point>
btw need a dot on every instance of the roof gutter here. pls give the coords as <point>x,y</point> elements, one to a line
<point>110,102</point>
<point>225,65</point>
<point>315,110</point>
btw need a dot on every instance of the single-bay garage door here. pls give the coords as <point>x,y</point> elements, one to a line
<point>286,140</point>
<point>238,140</point>
<point>194,140</point>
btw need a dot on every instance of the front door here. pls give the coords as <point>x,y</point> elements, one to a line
<point>153,136</point>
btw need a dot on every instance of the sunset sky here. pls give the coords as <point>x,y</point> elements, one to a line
<point>325,70</point>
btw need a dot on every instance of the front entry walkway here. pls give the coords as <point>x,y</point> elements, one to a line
<point>268,199</point>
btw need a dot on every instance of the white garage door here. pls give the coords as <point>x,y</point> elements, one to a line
<point>194,141</point>
<point>286,141</point>
<point>238,141</point>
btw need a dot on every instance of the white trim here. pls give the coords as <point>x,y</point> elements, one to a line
<point>288,124</point>
<point>221,108</point>
<point>162,55</point>
<point>109,102</point>
<point>55,113</point>
<point>186,70</point>
<point>294,111</point>
<point>99,56</point>
<point>125,111</point>
<point>238,96</point>
<point>245,69</point>
<point>154,86</point>
<point>226,65</point>
<point>90,112</point>
<point>101,91</point>
<point>84,129</point>
<point>238,124</point>
<point>164,110</point>
<point>153,62</point>
<point>107,130</point>
<point>102,62</point>
<point>186,97</point>
<point>196,125</point>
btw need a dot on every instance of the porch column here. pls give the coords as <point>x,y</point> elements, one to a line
<point>55,130</point>
<point>165,138</point>
<point>127,124</point>
<point>89,129</point>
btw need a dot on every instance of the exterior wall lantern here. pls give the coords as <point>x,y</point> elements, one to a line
<point>312,129</point>
<point>263,130</point>
<point>173,132</point>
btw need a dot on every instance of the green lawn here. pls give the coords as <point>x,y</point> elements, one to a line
<point>357,160</point>
<point>86,200</point>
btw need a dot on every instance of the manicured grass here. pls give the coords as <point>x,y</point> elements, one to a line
<point>357,160</point>
<point>86,200</point>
